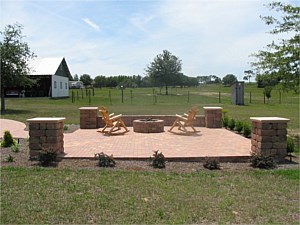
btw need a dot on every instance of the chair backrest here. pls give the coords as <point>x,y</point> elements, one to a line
<point>105,115</point>
<point>192,115</point>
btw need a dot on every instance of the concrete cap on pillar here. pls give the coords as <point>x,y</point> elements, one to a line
<point>270,119</point>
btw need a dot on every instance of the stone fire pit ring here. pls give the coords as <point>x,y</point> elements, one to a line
<point>148,126</point>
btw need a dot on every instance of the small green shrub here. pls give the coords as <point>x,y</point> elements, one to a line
<point>290,145</point>
<point>239,126</point>
<point>262,162</point>
<point>7,140</point>
<point>267,92</point>
<point>225,121</point>
<point>105,160</point>
<point>66,127</point>
<point>231,124</point>
<point>9,158</point>
<point>211,164</point>
<point>15,148</point>
<point>46,157</point>
<point>158,160</point>
<point>246,130</point>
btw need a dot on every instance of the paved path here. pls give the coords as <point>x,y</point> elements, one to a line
<point>84,143</point>
<point>206,143</point>
<point>16,128</point>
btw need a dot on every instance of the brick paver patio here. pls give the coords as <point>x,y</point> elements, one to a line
<point>84,143</point>
<point>206,143</point>
<point>16,128</point>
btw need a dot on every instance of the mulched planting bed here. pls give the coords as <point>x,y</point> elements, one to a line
<point>21,159</point>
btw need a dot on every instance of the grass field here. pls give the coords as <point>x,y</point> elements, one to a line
<point>141,101</point>
<point>51,196</point>
<point>103,196</point>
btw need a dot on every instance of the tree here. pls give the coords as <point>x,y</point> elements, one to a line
<point>146,82</point>
<point>215,79</point>
<point>165,69</point>
<point>186,81</point>
<point>100,81</point>
<point>267,92</point>
<point>211,79</point>
<point>112,82</point>
<point>86,79</point>
<point>229,80</point>
<point>15,56</point>
<point>248,75</point>
<point>76,77</point>
<point>263,81</point>
<point>204,79</point>
<point>280,61</point>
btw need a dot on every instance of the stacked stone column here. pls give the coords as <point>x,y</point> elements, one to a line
<point>88,117</point>
<point>269,136</point>
<point>213,117</point>
<point>46,134</point>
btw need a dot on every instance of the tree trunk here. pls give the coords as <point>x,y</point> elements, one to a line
<point>2,101</point>
<point>167,90</point>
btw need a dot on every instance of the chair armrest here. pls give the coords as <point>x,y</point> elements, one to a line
<point>185,114</point>
<point>116,117</point>
<point>110,115</point>
<point>181,117</point>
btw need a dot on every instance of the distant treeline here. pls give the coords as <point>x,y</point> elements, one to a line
<point>139,81</point>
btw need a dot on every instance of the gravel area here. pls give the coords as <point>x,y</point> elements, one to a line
<point>21,159</point>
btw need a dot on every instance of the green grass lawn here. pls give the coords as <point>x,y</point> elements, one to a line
<point>82,196</point>
<point>50,196</point>
<point>140,101</point>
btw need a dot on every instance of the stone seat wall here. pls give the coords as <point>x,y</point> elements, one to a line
<point>168,120</point>
<point>90,118</point>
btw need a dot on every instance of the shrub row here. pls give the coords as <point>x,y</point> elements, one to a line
<point>47,157</point>
<point>157,161</point>
<point>238,126</point>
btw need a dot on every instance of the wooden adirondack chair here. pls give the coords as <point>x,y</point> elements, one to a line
<point>114,123</point>
<point>187,120</point>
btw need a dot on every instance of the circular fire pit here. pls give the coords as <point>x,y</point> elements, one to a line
<point>148,126</point>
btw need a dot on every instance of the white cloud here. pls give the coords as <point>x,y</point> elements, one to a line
<point>91,24</point>
<point>210,37</point>
<point>141,21</point>
<point>213,37</point>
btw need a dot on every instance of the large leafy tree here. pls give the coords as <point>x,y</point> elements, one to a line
<point>86,79</point>
<point>100,81</point>
<point>229,80</point>
<point>280,61</point>
<point>165,70</point>
<point>15,56</point>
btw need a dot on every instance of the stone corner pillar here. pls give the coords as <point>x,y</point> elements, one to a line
<point>46,133</point>
<point>213,117</point>
<point>88,117</point>
<point>269,136</point>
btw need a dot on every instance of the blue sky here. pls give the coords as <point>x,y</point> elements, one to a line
<point>123,36</point>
